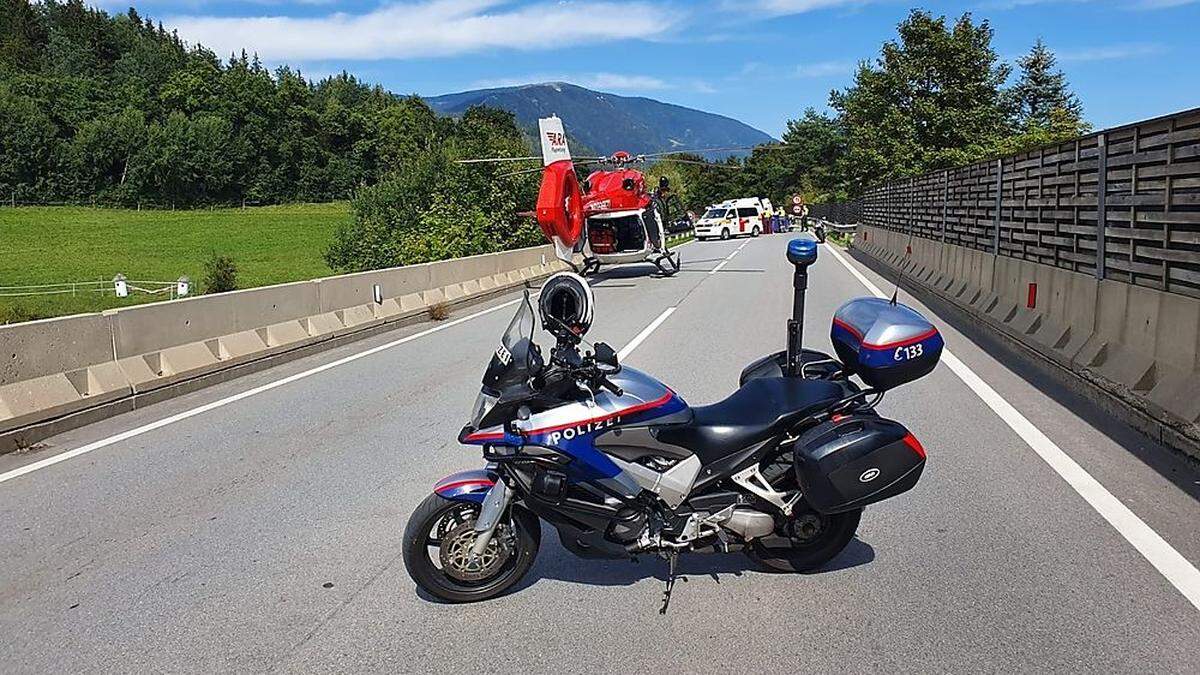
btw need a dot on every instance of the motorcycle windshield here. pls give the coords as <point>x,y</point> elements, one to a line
<point>515,362</point>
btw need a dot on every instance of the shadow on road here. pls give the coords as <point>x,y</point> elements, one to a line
<point>636,270</point>
<point>724,270</point>
<point>693,261</point>
<point>555,562</point>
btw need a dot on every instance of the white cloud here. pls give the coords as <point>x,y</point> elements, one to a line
<point>1014,4</point>
<point>119,6</point>
<point>784,7</point>
<point>428,28</point>
<point>1128,4</point>
<point>1160,4</point>
<point>1109,53</point>
<point>824,69</point>
<point>625,82</point>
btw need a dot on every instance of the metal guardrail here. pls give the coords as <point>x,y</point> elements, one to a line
<point>844,228</point>
<point>102,287</point>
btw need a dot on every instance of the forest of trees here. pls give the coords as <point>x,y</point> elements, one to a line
<point>117,110</point>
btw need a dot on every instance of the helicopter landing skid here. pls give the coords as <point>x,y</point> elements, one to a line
<point>667,263</point>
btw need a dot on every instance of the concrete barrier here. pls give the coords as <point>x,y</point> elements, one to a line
<point>1134,345</point>
<point>54,371</point>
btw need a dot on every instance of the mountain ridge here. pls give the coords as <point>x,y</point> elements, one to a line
<point>603,122</point>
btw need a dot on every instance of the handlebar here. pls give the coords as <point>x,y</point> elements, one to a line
<point>610,385</point>
<point>587,370</point>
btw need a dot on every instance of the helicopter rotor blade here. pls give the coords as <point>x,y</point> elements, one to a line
<point>521,172</point>
<point>764,146</point>
<point>711,165</point>
<point>487,160</point>
<point>483,160</point>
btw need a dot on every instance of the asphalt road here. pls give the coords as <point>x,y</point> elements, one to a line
<point>264,534</point>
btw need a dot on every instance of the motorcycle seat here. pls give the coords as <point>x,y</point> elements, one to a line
<point>761,408</point>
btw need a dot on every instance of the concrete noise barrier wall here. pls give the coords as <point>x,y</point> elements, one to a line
<point>1138,345</point>
<point>57,368</point>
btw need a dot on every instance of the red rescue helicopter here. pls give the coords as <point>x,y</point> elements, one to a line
<point>610,218</point>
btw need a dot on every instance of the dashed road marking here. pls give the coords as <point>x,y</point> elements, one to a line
<point>637,340</point>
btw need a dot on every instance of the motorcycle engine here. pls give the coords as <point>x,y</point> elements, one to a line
<point>627,526</point>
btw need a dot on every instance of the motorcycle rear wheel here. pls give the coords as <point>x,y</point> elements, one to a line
<point>440,528</point>
<point>809,540</point>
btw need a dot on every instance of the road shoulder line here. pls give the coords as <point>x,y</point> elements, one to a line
<point>1177,570</point>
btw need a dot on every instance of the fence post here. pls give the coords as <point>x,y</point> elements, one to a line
<point>999,196</point>
<point>945,200</point>
<point>1101,200</point>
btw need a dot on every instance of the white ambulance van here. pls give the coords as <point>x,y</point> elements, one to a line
<point>733,218</point>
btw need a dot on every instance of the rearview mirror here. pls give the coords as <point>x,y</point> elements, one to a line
<point>605,355</point>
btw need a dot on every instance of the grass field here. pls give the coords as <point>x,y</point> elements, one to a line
<point>50,245</point>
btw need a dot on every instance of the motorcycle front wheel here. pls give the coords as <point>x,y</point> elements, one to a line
<point>437,550</point>
<point>806,541</point>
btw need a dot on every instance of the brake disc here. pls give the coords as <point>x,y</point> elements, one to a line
<point>455,553</point>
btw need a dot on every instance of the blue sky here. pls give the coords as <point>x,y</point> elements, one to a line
<point>760,61</point>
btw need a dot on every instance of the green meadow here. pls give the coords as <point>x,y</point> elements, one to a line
<point>55,245</point>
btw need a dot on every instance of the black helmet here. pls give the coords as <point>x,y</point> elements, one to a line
<point>565,304</point>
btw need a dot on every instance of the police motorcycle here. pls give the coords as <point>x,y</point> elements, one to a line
<point>621,466</point>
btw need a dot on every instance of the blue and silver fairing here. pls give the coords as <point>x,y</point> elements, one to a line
<point>572,428</point>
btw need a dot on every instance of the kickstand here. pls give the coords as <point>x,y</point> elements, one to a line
<point>672,558</point>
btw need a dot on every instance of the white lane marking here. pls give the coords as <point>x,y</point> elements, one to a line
<point>858,275</point>
<point>138,431</point>
<point>637,340</point>
<point>725,262</point>
<point>1177,569</point>
<point>741,247</point>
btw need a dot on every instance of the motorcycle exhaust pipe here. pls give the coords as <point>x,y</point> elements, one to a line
<point>749,523</point>
<point>802,253</point>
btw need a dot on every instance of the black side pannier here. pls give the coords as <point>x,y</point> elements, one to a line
<point>859,459</point>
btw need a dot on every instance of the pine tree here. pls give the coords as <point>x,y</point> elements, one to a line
<point>932,99</point>
<point>1041,90</point>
